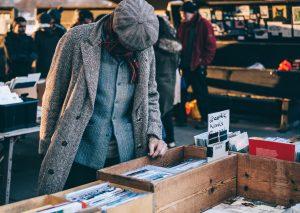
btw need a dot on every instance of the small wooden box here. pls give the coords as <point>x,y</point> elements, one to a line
<point>189,191</point>
<point>142,204</point>
<point>32,203</point>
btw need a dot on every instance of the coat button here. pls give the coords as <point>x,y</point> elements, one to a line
<point>50,171</point>
<point>139,146</point>
<point>64,143</point>
<point>78,117</point>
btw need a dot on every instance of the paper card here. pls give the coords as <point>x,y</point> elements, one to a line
<point>296,15</point>
<point>274,27</point>
<point>219,151</point>
<point>296,30</point>
<point>243,10</point>
<point>219,15</point>
<point>218,122</point>
<point>240,141</point>
<point>286,30</point>
<point>279,13</point>
<point>264,11</point>
<point>205,13</point>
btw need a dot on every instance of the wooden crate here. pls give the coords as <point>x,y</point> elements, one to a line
<point>32,203</point>
<point>190,191</point>
<point>142,204</point>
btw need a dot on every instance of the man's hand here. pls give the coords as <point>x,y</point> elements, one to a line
<point>157,147</point>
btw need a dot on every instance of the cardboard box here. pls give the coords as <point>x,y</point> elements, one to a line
<point>142,204</point>
<point>189,191</point>
<point>32,203</point>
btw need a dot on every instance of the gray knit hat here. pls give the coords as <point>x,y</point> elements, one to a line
<point>135,24</point>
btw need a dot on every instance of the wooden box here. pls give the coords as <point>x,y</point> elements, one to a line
<point>142,204</point>
<point>32,203</point>
<point>189,191</point>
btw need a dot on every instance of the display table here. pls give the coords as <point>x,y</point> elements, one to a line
<point>8,140</point>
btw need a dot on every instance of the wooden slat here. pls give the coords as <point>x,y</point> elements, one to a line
<point>194,152</point>
<point>203,200</point>
<point>32,203</point>
<point>185,184</point>
<point>269,180</point>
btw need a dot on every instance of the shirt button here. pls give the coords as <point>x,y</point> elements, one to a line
<point>116,101</point>
<point>107,135</point>
<point>119,84</point>
<point>64,143</point>
<point>50,171</point>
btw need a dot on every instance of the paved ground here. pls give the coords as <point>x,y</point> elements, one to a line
<point>26,162</point>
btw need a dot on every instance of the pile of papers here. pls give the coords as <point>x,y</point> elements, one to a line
<point>103,195</point>
<point>155,173</point>
<point>7,97</point>
<point>64,207</point>
<point>243,205</point>
<point>24,82</point>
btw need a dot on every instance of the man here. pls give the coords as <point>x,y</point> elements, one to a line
<point>56,20</point>
<point>19,50</point>
<point>45,39</point>
<point>101,106</point>
<point>199,48</point>
<point>83,17</point>
<point>167,52</point>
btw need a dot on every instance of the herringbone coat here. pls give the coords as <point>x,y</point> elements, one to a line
<point>69,98</point>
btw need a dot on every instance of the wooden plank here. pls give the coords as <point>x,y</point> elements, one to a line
<point>183,185</point>
<point>194,152</point>
<point>32,203</point>
<point>204,199</point>
<point>269,180</point>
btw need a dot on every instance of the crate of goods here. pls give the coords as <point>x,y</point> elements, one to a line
<point>106,197</point>
<point>203,186</point>
<point>18,115</point>
<point>182,181</point>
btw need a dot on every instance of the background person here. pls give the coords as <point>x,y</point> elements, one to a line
<point>199,47</point>
<point>167,53</point>
<point>19,50</point>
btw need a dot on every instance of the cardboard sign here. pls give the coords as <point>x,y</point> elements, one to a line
<point>218,122</point>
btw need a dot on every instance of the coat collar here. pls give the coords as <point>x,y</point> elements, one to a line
<point>91,55</point>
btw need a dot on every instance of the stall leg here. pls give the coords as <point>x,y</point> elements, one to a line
<point>6,170</point>
<point>284,115</point>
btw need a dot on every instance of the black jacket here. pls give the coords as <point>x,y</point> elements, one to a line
<point>20,53</point>
<point>46,40</point>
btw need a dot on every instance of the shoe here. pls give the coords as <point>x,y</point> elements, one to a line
<point>201,125</point>
<point>172,145</point>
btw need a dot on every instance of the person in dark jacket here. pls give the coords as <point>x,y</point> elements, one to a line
<point>83,17</point>
<point>45,39</point>
<point>199,48</point>
<point>167,53</point>
<point>19,50</point>
<point>56,20</point>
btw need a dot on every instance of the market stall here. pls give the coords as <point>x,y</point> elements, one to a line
<point>97,7</point>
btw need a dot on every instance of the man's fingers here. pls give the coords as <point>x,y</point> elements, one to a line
<point>158,149</point>
<point>164,150</point>
<point>152,146</point>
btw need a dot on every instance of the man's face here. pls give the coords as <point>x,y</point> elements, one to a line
<point>88,21</point>
<point>52,23</point>
<point>20,28</point>
<point>185,16</point>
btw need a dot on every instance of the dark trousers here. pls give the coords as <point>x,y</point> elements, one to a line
<point>80,175</point>
<point>167,121</point>
<point>197,79</point>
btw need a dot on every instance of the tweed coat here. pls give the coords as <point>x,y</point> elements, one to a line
<point>69,99</point>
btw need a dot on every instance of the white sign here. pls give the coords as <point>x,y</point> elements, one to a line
<point>218,122</point>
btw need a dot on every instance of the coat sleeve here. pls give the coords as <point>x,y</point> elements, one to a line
<point>154,123</point>
<point>56,88</point>
<point>210,45</point>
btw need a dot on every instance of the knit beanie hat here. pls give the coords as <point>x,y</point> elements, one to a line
<point>189,7</point>
<point>44,18</point>
<point>135,24</point>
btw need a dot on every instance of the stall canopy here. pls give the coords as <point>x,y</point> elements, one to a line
<point>75,3</point>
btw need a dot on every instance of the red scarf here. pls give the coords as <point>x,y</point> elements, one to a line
<point>115,48</point>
